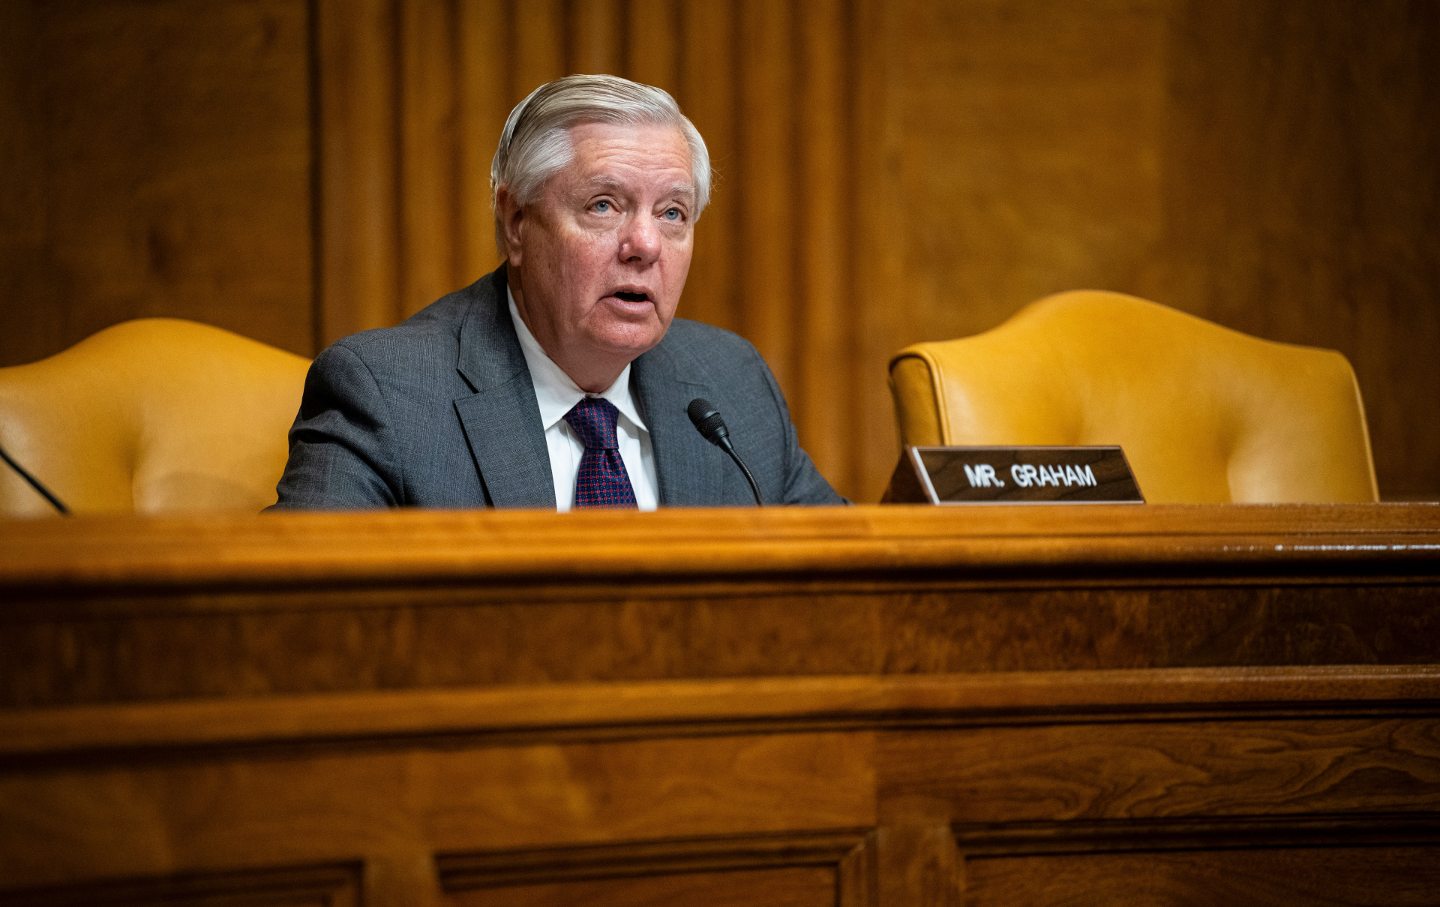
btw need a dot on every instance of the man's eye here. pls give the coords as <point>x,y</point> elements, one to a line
<point>603,206</point>
<point>674,214</point>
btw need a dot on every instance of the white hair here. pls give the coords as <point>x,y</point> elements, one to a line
<point>535,143</point>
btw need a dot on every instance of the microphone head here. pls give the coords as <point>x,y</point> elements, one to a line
<point>708,421</point>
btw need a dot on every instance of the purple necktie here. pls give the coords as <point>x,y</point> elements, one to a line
<point>602,481</point>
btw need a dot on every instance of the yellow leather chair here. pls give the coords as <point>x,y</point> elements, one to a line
<point>1204,413</point>
<point>149,416</point>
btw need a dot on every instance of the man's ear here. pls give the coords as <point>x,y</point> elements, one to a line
<point>511,218</point>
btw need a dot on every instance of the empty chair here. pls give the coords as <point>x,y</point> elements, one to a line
<point>149,416</point>
<point>1204,413</point>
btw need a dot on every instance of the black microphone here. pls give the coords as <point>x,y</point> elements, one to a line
<point>34,483</point>
<point>712,426</point>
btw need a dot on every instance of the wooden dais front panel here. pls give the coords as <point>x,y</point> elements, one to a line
<point>856,707</point>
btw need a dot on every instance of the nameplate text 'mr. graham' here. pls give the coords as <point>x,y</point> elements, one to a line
<point>1013,475</point>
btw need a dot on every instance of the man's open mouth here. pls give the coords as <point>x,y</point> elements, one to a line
<point>630,296</point>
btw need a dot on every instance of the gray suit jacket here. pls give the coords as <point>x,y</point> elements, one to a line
<point>440,411</point>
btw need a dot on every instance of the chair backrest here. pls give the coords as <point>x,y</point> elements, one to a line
<point>147,416</point>
<point>1204,413</point>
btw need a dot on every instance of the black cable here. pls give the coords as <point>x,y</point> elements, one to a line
<point>34,483</point>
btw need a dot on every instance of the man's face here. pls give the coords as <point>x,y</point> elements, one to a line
<point>598,260</point>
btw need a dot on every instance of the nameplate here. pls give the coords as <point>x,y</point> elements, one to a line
<point>1013,475</point>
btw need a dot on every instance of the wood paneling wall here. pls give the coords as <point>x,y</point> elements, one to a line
<point>888,172</point>
<point>155,159</point>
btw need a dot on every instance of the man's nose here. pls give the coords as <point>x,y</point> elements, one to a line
<point>640,241</point>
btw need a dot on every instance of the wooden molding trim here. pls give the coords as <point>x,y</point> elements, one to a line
<point>567,712</point>
<point>495,869</point>
<point>334,885</point>
<point>1118,544</point>
<point>1134,834</point>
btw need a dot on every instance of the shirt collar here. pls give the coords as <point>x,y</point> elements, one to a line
<point>556,393</point>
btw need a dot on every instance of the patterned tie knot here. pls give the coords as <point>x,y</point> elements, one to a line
<point>601,480</point>
<point>593,419</point>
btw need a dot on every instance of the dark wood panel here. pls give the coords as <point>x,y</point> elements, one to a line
<point>234,645</point>
<point>150,140</point>
<point>1379,876</point>
<point>779,870</point>
<point>312,886</point>
<point>734,888</point>
<point>918,864</point>
<point>1301,200</point>
<point>1160,625</point>
<point>1123,770</point>
<point>1029,131</point>
<point>358,125</point>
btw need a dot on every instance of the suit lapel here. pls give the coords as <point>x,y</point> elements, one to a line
<point>500,419</point>
<point>687,473</point>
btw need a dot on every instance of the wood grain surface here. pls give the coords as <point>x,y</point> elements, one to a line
<point>114,610</point>
<point>862,706</point>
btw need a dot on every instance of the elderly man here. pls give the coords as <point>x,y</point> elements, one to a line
<point>562,379</point>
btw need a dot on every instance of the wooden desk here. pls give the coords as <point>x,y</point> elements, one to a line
<point>859,706</point>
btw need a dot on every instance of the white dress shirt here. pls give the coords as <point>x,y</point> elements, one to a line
<point>557,395</point>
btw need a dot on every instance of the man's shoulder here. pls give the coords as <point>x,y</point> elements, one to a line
<point>426,335</point>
